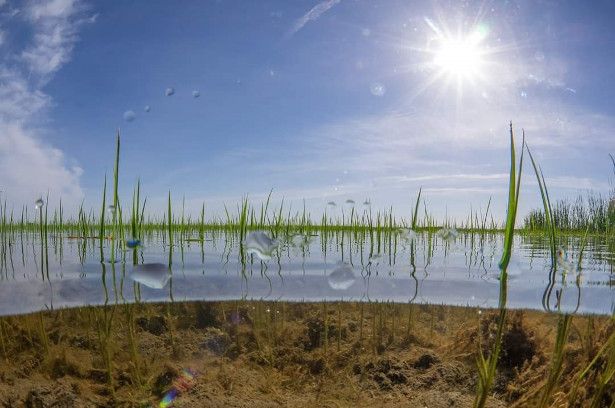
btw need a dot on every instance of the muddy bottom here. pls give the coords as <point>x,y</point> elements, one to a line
<point>273,354</point>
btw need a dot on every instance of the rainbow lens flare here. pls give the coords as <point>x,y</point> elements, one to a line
<point>181,384</point>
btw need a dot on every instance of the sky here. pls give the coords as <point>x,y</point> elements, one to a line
<point>314,101</point>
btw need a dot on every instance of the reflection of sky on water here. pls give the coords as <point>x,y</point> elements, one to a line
<point>466,274</point>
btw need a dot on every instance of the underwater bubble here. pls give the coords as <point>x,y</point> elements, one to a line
<point>111,209</point>
<point>563,261</point>
<point>524,94</point>
<point>331,204</point>
<point>448,234</point>
<point>342,277</point>
<point>259,243</point>
<point>375,259</point>
<point>407,234</point>
<point>196,94</point>
<point>300,241</point>
<point>170,91</point>
<point>38,204</point>
<point>152,275</point>
<point>377,89</point>
<point>147,108</point>
<point>129,116</point>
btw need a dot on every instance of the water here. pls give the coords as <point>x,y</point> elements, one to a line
<point>421,268</point>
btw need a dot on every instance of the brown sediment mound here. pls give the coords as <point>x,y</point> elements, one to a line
<point>272,354</point>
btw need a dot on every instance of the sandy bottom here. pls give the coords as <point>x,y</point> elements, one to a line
<point>273,354</point>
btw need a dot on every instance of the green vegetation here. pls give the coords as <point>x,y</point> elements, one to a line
<point>487,367</point>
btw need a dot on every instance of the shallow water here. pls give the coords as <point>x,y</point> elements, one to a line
<point>425,270</point>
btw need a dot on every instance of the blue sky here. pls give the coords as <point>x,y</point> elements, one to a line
<point>322,101</point>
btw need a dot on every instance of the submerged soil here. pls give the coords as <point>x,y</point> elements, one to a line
<point>273,354</point>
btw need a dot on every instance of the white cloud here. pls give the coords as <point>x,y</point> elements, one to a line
<point>56,26</point>
<point>459,160</point>
<point>29,166</point>
<point>18,101</point>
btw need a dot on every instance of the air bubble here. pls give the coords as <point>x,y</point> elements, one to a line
<point>129,116</point>
<point>170,91</point>
<point>38,204</point>
<point>377,89</point>
<point>259,244</point>
<point>147,108</point>
<point>342,277</point>
<point>448,234</point>
<point>196,94</point>
<point>153,275</point>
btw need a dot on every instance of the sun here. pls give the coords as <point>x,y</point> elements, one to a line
<point>460,57</point>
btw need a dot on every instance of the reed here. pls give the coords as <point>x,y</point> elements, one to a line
<point>487,367</point>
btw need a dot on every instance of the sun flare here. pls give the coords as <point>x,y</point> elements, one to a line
<point>462,56</point>
<point>459,58</point>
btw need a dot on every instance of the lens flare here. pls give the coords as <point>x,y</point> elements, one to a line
<point>182,384</point>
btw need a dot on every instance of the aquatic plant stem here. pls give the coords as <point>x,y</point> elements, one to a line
<point>487,367</point>
<point>563,327</point>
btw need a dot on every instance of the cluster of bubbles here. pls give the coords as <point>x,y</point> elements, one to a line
<point>152,275</point>
<point>349,203</point>
<point>258,243</point>
<point>130,115</point>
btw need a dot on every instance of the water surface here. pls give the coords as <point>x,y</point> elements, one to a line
<point>352,266</point>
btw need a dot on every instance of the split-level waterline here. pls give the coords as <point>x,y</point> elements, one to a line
<point>119,255</point>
